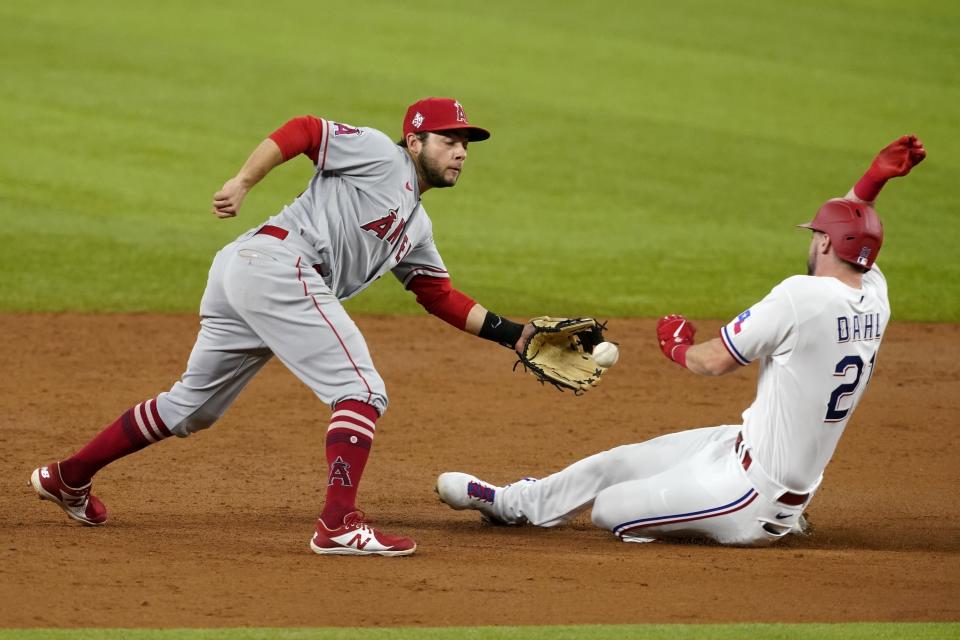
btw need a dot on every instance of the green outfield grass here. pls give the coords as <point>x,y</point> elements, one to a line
<point>646,157</point>
<point>862,631</point>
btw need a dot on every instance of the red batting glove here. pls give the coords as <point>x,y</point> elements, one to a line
<point>675,334</point>
<point>894,160</point>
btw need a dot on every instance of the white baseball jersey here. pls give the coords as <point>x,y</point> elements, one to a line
<point>816,340</point>
<point>361,212</point>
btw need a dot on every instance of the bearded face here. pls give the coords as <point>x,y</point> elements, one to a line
<point>440,158</point>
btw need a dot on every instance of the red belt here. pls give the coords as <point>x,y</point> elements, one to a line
<point>270,230</point>
<point>788,498</point>
<point>281,234</point>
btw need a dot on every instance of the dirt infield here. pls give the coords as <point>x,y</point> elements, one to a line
<point>213,530</point>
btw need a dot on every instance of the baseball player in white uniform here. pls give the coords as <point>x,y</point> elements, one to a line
<point>816,339</point>
<point>277,290</point>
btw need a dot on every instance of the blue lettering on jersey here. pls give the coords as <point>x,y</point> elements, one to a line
<point>858,328</point>
<point>843,329</point>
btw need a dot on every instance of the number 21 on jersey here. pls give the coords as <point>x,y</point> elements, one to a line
<point>834,412</point>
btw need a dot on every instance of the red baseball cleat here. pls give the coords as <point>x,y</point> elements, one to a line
<point>355,537</point>
<point>80,504</point>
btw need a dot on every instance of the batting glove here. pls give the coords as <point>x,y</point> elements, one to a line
<point>894,160</point>
<point>675,334</point>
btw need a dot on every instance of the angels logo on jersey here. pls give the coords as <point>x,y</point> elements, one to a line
<point>345,130</point>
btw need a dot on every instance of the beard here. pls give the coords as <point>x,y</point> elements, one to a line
<point>433,173</point>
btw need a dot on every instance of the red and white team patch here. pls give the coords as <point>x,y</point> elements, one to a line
<point>738,325</point>
<point>345,130</point>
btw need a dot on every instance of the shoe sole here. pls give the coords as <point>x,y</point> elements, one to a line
<point>45,495</point>
<point>350,551</point>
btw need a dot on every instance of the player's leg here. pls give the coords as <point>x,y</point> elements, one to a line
<point>291,308</point>
<point>562,495</point>
<point>704,495</point>
<point>225,357</point>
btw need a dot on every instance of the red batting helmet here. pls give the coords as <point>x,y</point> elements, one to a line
<point>854,229</point>
<point>440,114</point>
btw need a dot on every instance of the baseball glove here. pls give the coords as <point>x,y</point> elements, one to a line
<point>559,352</point>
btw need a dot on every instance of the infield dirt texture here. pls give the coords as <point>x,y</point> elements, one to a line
<point>213,530</point>
<point>646,158</point>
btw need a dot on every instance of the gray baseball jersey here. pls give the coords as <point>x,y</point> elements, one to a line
<point>279,293</point>
<point>361,212</point>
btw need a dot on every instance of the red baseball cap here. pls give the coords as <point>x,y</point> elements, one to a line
<point>440,114</point>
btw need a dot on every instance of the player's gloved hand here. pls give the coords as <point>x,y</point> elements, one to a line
<point>894,160</point>
<point>528,331</point>
<point>227,201</point>
<point>675,334</point>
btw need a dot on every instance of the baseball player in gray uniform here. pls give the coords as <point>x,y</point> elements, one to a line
<point>816,338</point>
<point>277,290</point>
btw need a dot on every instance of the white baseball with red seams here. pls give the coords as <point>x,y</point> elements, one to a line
<point>606,354</point>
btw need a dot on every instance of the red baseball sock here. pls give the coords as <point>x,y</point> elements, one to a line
<point>349,438</point>
<point>137,428</point>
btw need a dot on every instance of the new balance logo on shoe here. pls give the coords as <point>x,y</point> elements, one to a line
<point>359,542</point>
<point>45,473</point>
<point>71,500</point>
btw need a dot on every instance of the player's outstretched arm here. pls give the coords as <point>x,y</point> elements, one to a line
<point>485,324</point>
<point>894,160</point>
<point>227,201</point>
<point>675,335</point>
<point>440,299</point>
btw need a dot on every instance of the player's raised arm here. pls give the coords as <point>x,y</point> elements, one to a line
<point>227,201</point>
<point>894,160</point>
<point>298,135</point>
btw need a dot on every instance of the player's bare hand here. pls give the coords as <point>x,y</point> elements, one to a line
<point>525,336</point>
<point>673,330</point>
<point>898,158</point>
<point>227,201</point>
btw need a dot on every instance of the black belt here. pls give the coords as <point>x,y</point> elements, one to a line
<point>788,498</point>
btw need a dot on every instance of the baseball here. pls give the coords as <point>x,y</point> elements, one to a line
<point>606,354</point>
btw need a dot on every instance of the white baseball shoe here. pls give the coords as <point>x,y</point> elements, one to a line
<point>463,491</point>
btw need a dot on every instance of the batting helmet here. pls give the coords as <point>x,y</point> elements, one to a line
<point>854,229</point>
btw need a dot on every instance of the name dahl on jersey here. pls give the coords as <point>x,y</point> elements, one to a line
<point>853,328</point>
<point>858,327</point>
